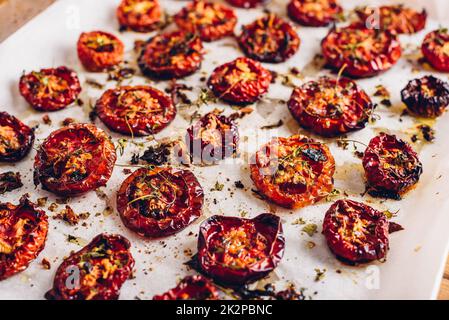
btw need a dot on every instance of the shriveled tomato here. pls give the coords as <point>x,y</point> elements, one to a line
<point>159,202</point>
<point>98,50</point>
<point>171,55</point>
<point>96,272</point>
<point>435,49</point>
<point>396,18</point>
<point>355,232</point>
<point>23,231</point>
<point>314,13</point>
<point>246,3</point>
<point>391,166</point>
<point>75,159</point>
<point>241,81</point>
<point>360,52</point>
<point>191,288</point>
<point>293,172</point>
<point>139,15</point>
<point>427,97</point>
<point>214,137</point>
<point>330,107</point>
<point>210,20</point>
<point>269,39</point>
<point>16,138</point>
<point>236,251</point>
<point>50,89</point>
<point>139,110</point>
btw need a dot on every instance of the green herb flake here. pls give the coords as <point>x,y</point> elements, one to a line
<point>218,187</point>
<point>310,229</point>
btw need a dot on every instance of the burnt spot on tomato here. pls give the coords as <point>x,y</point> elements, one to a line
<point>139,15</point>
<point>96,272</point>
<point>391,167</point>
<point>191,288</point>
<point>246,3</point>
<point>16,138</point>
<point>435,49</point>
<point>314,13</point>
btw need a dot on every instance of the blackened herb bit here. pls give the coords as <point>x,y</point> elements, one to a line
<point>427,132</point>
<point>10,181</point>
<point>314,154</point>
<point>157,155</point>
<point>239,185</point>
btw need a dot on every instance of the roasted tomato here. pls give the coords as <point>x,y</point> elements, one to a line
<point>246,3</point>
<point>158,202</point>
<point>355,232</point>
<point>139,15</point>
<point>391,166</point>
<point>293,172</point>
<point>16,139</point>
<point>210,20</point>
<point>98,50</point>
<point>330,107</point>
<point>139,111</point>
<point>395,18</point>
<point>75,159</point>
<point>236,251</point>
<point>361,52</point>
<point>427,97</point>
<point>214,137</point>
<point>171,55</point>
<point>50,89</point>
<point>191,288</point>
<point>241,81</point>
<point>435,49</point>
<point>314,13</point>
<point>23,231</point>
<point>269,39</point>
<point>96,272</point>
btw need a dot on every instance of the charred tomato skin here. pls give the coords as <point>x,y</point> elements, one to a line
<point>427,97</point>
<point>23,133</point>
<point>219,21</point>
<point>32,242</point>
<point>131,19</point>
<point>145,216</point>
<point>356,246</point>
<point>435,49</point>
<point>99,51</point>
<point>326,115</point>
<point>339,55</point>
<point>245,3</point>
<point>267,228</point>
<point>386,173</point>
<point>272,31</point>
<point>63,83</point>
<point>58,167</point>
<point>306,161</point>
<point>106,288</point>
<point>150,113</point>
<point>171,55</point>
<point>325,13</point>
<point>191,288</point>
<point>228,81</point>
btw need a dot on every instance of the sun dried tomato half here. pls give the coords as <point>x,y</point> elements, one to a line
<point>314,13</point>
<point>191,288</point>
<point>355,232</point>
<point>139,15</point>
<point>427,97</point>
<point>391,166</point>
<point>16,138</point>
<point>293,172</point>
<point>246,3</point>
<point>236,251</point>
<point>159,202</point>
<point>75,159</point>
<point>96,272</point>
<point>171,55</point>
<point>214,137</point>
<point>331,107</point>
<point>435,49</point>
<point>210,20</point>
<point>50,89</point>
<point>361,52</point>
<point>269,39</point>
<point>241,81</point>
<point>138,111</point>
<point>98,50</point>
<point>23,231</point>
<point>396,18</point>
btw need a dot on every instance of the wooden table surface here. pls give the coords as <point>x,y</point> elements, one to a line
<point>15,13</point>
